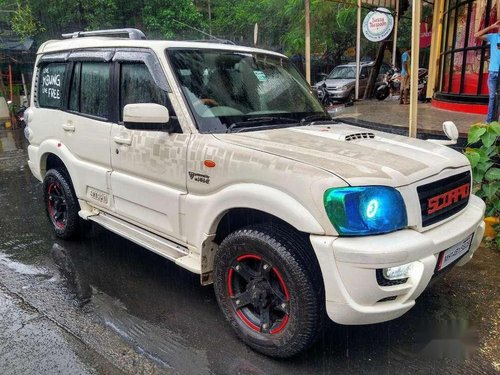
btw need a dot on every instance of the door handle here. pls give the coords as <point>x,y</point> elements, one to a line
<point>122,141</point>
<point>68,127</point>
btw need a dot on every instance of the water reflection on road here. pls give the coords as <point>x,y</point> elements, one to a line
<point>162,312</point>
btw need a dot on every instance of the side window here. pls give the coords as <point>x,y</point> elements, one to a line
<point>94,89</point>
<point>364,73</point>
<point>51,84</point>
<point>137,86</point>
<point>74,90</point>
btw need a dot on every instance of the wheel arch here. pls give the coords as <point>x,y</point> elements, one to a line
<point>50,160</point>
<point>295,217</point>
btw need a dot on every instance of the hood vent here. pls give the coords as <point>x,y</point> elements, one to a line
<point>352,137</point>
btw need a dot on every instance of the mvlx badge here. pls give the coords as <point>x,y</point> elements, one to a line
<point>198,177</point>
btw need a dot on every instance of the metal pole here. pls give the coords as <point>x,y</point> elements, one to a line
<point>308,42</point>
<point>25,89</point>
<point>10,82</point>
<point>395,34</point>
<point>415,49</point>
<point>358,48</point>
<point>209,18</point>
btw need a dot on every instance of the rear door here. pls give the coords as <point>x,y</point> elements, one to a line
<point>148,167</point>
<point>83,122</point>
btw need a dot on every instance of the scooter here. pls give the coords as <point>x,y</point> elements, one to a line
<point>392,81</point>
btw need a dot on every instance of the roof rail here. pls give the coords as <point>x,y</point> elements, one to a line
<point>132,33</point>
<point>217,40</point>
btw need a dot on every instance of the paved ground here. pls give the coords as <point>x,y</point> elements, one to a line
<point>390,112</point>
<point>105,305</point>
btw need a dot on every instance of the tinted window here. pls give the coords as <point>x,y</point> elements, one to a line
<point>51,84</point>
<point>94,89</point>
<point>74,93</point>
<point>137,86</point>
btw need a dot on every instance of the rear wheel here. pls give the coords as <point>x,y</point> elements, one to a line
<point>269,287</point>
<point>61,203</point>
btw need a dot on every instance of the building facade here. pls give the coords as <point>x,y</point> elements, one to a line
<point>458,69</point>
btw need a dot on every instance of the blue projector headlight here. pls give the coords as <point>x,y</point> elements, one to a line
<point>364,210</point>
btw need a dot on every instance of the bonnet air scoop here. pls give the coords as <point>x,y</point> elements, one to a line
<point>354,136</point>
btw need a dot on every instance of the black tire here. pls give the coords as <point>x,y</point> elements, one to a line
<point>291,288</point>
<point>61,203</point>
<point>382,94</point>
<point>352,97</point>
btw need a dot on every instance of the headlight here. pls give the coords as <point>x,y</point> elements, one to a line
<point>343,88</point>
<point>364,210</point>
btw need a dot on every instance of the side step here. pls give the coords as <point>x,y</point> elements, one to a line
<point>150,241</point>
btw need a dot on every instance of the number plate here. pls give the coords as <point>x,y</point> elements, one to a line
<point>448,256</point>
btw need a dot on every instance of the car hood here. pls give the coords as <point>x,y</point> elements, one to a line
<point>336,82</point>
<point>358,155</point>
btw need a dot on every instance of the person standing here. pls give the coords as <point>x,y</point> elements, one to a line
<point>494,40</point>
<point>405,77</point>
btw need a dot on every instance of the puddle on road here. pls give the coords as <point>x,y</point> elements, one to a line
<point>22,268</point>
<point>165,347</point>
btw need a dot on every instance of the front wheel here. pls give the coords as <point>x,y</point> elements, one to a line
<point>61,203</point>
<point>269,286</point>
<point>382,93</point>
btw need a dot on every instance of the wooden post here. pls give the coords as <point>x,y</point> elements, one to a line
<point>308,40</point>
<point>415,53</point>
<point>358,48</point>
<point>395,34</point>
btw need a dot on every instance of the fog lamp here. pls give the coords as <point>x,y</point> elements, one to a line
<point>398,272</point>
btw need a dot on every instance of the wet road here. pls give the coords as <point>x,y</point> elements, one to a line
<point>105,305</point>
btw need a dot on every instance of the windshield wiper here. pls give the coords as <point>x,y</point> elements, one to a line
<point>315,118</point>
<point>259,121</point>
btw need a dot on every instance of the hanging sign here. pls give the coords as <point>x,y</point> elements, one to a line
<point>378,24</point>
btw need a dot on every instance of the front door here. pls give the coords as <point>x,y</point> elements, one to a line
<point>148,167</point>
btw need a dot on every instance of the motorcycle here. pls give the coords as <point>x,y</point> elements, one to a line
<point>391,84</point>
<point>19,115</point>
<point>324,96</point>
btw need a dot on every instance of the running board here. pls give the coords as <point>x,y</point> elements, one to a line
<point>141,237</point>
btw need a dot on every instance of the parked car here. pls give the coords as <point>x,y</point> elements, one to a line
<point>219,158</point>
<point>341,81</point>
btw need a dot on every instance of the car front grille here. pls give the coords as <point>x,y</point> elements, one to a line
<point>444,198</point>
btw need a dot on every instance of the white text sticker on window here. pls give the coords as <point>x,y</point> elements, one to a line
<point>261,76</point>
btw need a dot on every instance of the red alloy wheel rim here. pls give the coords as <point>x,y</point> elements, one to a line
<point>258,294</point>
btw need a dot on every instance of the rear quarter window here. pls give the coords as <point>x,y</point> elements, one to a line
<point>51,84</point>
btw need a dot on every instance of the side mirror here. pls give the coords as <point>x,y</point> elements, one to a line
<point>146,116</point>
<point>323,75</point>
<point>450,129</point>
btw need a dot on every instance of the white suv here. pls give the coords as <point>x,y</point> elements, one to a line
<point>219,158</point>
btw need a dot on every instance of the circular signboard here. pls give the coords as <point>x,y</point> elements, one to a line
<point>378,24</point>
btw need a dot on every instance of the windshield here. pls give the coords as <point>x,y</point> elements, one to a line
<point>228,87</point>
<point>343,72</point>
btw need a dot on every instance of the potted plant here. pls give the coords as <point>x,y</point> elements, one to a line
<point>483,154</point>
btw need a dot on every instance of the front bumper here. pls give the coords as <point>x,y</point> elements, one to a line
<point>348,265</point>
<point>334,94</point>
